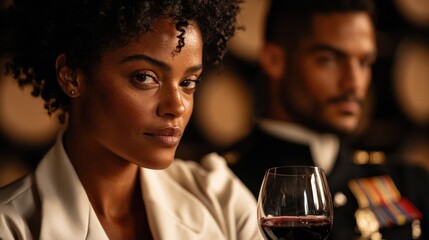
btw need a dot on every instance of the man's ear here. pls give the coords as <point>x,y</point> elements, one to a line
<point>68,78</point>
<point>273,60</point>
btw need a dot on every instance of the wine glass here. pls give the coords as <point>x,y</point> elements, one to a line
<point>295,203</point>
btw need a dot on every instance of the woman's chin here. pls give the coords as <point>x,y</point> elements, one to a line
<point>158,162</point>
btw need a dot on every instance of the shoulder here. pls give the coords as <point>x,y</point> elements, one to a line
<point>212,178</point>
<point>214,185</point>
<point>211,173</point>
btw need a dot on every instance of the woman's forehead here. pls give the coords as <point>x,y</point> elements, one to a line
<point>160,45</point>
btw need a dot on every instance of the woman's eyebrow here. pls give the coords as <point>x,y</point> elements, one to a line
<point>142,57</point>
<point>161,64</point>
<point>194,68</point>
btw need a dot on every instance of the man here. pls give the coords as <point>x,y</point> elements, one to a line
<point>317,63</point>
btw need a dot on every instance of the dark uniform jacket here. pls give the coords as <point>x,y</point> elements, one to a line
<point>260,151</point>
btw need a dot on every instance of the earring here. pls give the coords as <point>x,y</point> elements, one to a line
<point>72,92</point>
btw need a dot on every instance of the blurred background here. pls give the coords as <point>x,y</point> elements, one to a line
<point>396,123</point>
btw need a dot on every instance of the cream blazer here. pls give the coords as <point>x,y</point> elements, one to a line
<point>185,201</point>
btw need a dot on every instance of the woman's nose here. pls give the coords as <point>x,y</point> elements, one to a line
<point>172,103</point>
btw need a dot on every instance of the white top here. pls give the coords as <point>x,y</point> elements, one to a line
<point>324,147</point>
<point>185,201</point>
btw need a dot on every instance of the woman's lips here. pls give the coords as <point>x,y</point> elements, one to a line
<point>169,136</point>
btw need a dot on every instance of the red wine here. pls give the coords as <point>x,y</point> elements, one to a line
<point>292,227</point>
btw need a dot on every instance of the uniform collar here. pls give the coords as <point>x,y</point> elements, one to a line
<point>324,147</point>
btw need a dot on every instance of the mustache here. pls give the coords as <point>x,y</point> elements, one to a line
<point>346,97</point>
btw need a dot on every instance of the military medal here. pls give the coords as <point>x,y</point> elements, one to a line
<point>381,206</point>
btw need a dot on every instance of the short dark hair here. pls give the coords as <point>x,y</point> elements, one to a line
<point>289,21</point>
<point>292,19</point>
<point>82,29</point>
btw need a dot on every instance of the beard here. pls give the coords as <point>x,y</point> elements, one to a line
<point>306,111</point>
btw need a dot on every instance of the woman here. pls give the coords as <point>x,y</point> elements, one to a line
<point>125,72</point>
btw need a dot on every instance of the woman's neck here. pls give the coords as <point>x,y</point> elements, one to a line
<point>112,185</point>
<point>109,181</point>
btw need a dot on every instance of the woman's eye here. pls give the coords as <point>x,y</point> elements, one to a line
<point>144,79</point>
<point>190,84</point>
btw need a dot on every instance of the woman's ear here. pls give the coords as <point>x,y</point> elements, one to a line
<point>68,78</point>
<point>273,61</point>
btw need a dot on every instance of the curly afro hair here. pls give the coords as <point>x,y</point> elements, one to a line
<point>36,32</point>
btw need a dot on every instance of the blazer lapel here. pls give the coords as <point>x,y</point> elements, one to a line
<point>66,210</point>
<point>174,213</point>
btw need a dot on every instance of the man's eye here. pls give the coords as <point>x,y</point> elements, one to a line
<point>325,59</point>
<point>367,63</point>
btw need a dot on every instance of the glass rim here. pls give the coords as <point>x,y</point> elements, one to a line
<point>300,168</point>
